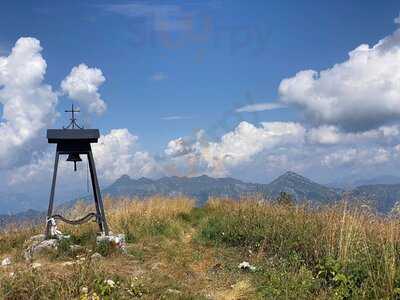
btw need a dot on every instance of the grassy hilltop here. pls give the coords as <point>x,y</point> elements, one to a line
<point>178,251</point>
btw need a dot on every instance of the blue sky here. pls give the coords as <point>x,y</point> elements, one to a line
<point>203,87</point>
<point>236,52</point>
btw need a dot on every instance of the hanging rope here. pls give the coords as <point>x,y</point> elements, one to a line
<point>77,221</point>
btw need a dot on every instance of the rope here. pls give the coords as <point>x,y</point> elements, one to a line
<point>78,221</point>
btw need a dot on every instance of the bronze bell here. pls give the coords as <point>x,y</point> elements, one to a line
<point>74,157</point>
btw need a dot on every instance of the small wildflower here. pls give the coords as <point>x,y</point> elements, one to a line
<point>110,282</point>
<point>95,297</point>
<point>6,262</point>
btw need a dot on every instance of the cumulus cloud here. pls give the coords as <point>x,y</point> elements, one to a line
<point>28,103</point>
<point>236,147</point>
<point>357,157</point>
<point>274,147</point>
<point>117,154</point>
<point>358,94</point>
<point>333,135</point>
<point>247,140</point>
<point>82,85</point>
<point>178,147</point>
<point>260,107</point>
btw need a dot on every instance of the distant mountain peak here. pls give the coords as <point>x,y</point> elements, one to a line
<point>144,180</point>
<point>301,188</point>
<point>204,176</point>
<point>123,180</point>
<point>292,176</point>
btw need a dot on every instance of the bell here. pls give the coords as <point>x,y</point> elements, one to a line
<point>74,157</point>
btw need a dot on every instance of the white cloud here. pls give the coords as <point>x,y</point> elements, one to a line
<point>34,172</point>
<point>397,19</point>
<point>236,147</point>
<point>332,135</point>
<point>173,118</point>
<point>162,17</point>
<point>178,147</point>
<point>274,147</point>
<point>247,140</point>
<point>28,104</point>
<point>357,157</point>
<point>358,94</point>
<point>159,76</point>
<point>260,107</point>
<point>82,85</point>
<point>116,154</point>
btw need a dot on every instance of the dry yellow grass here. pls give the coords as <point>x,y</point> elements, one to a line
<point>339,252</point>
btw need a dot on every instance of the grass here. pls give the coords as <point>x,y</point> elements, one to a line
<point>178,251</point>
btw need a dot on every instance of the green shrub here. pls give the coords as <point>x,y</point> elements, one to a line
<point>345,281</point>
<point>283,283</point>
<point>64,247</point>
<point>104,248</point>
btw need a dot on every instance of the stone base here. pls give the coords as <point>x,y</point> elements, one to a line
<point>38,245</point>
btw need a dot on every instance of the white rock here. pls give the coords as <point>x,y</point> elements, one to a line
<point>68,263</point>
<point>6,262</point>
<point>246,266</point>
<point>36,265</point>
<point>96,256</point>
<point>45,245</point>
<point>118,240</point>
<point>35,247</point>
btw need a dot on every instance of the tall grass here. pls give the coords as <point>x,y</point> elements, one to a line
<point>338,251</point>
<point>138,219</point>
<point>133,217</point>
<point>336,243</point>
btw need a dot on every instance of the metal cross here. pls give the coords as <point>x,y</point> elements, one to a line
<point>73,123</point>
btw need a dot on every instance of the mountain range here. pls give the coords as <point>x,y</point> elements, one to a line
<point>384,196</point>
<point>203,187</point>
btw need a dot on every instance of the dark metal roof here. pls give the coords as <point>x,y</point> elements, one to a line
<point>61,135</point>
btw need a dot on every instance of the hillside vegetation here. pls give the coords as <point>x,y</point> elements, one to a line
<point>178,251</point>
